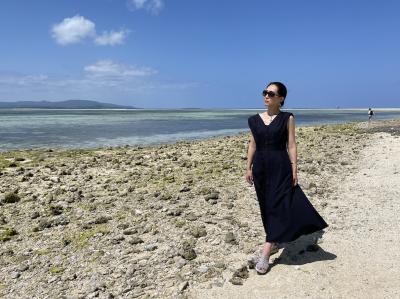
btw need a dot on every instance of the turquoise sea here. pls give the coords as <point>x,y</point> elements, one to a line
<point>63,128</point>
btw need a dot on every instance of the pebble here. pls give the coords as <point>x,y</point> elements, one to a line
<point>241,272</point>
<point>23,268</point>
<point>135,240</point>
<point>15,274</point>
<point>236,281</point>
<point>230,238</point>
<point>130,231</point>
<point>202,269</point>
<point>183,286</point>
<point>212,195</point>
<point>184,189</point>
<point>142,262</point>
<point>180,262</point>
<point>191,217</point>
<point>188,254</point>
<point>150,247</point>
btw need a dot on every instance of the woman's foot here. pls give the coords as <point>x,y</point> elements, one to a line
<point>269,248</point>
<point>262,265</point>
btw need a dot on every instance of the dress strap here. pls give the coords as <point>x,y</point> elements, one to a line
<point>288,114</point>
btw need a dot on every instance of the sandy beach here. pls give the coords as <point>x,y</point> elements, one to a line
<point>180,221</point>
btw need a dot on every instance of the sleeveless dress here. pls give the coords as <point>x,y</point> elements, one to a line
<point>286,212</point>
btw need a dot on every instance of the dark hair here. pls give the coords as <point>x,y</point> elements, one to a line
<point>282,91</point>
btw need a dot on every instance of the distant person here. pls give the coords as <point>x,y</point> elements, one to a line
<point>286,212</point>
<point>370,114</point>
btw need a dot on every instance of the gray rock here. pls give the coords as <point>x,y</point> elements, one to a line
<point>3,219</point>
<point>135,240</point>
<point>179,262</point>
<point>187,251</point>
<point>251,262</point>
<point>117,239</point>
<point>236,281</point>
<point>15,274</point>
<point>230,238</point>
<point>22,268</point>
<point>130,231</point>
<point>11,198</point>
<point>123,225</point>
<point>198,232</point>
<point>212,195</point>
<point>101,219</point>
<point>183,286</point>
<point>55,210</point>
<point>220,265</point>
<point>311,185</point>
<point>150,247</point>
<point>174,212</point>
<point>242,272</point>
<point>191,217</point>
<point>184,189</point>
<point>202,269</point>
<point>35,215</point>
<point>44,223</point>
<point>230,205</point>
<point>92,295</point>
<point>61,220</point>
<point>188,254</point>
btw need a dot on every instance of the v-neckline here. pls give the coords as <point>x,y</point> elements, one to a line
<point>271,120</point>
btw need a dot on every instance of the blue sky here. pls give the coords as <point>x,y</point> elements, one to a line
<point>206,54</point>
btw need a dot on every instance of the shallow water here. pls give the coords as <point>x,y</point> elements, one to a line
<point>63,128</point>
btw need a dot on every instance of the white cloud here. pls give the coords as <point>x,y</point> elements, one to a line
<point>112,70</point>
<point>73,30</point>
<point>111,38</point>
<point>154,6</point>
<point>76,29</point>
<point>21,79</point>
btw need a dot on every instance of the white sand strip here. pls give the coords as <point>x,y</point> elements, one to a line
<point>360,251</point>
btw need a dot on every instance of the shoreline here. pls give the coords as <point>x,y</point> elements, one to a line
<point>113,221</point>
<point>194,108</point>
<point>158,144</point>
<point>374,123</point>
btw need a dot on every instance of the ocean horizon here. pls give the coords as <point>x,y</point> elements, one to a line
<point>36,128</point>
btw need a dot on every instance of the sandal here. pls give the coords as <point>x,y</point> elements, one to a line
<point>262,265</point>
<point>274,248</point>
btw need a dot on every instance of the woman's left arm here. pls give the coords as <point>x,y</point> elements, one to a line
<point>292,148</point>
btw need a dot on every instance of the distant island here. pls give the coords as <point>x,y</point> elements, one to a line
<point>69,104</point>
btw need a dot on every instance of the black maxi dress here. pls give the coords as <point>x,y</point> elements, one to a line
<point>286,212</point>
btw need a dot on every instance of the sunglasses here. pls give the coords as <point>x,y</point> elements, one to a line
<point>270,94</point>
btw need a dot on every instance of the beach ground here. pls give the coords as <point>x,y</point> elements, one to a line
<point>179,220</point>
<point>357,259</point>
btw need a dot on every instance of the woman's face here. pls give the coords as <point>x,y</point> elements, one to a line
<point>275,100</point>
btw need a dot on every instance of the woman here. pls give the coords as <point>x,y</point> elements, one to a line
<point>286,212</point>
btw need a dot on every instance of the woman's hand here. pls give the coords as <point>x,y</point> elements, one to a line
<point>295,180</point>
<point>249,176</point>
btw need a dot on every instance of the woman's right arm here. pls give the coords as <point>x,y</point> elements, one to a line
<point>250,155</point>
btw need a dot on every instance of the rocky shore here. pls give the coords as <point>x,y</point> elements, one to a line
<point>156,221</point>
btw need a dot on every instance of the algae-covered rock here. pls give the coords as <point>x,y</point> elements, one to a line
<point>11,197</point>
<point>6,233</point>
